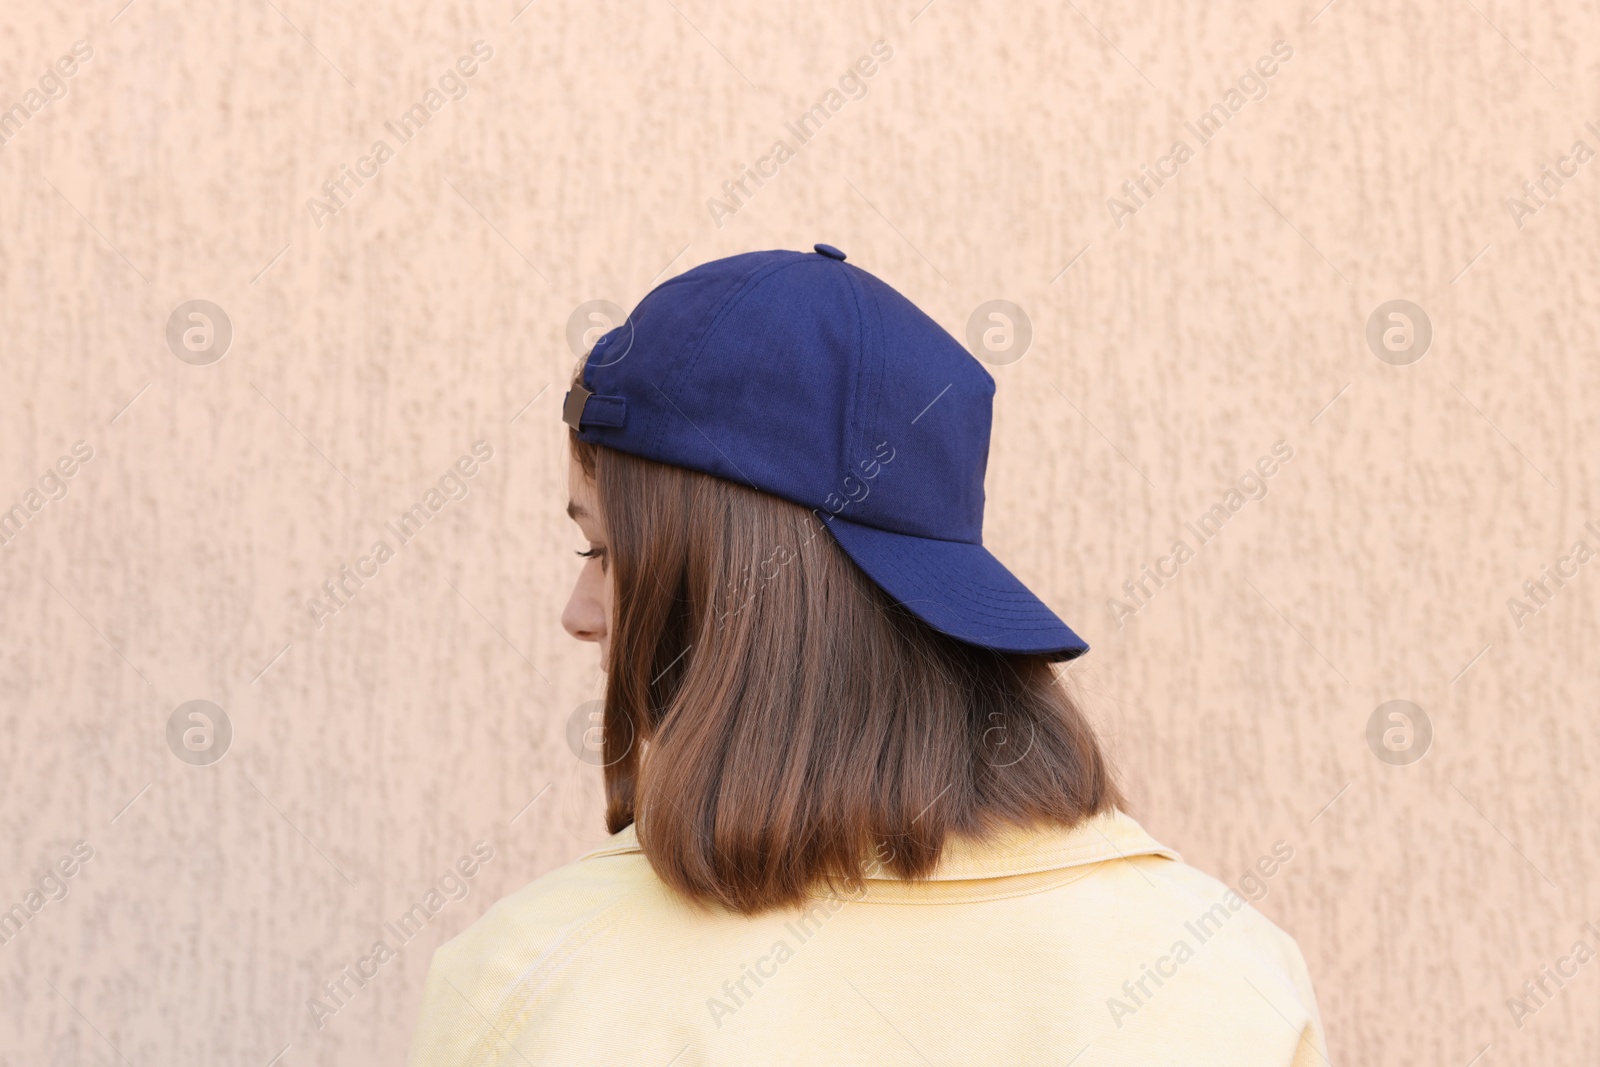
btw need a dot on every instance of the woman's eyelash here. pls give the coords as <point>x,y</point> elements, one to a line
<point>592,553</point>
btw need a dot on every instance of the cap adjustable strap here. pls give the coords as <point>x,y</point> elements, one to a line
<point>582,408</point>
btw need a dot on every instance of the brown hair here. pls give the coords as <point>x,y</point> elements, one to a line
<point>774,720</point>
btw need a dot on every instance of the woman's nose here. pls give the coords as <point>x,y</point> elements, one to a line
<point>584,616</point>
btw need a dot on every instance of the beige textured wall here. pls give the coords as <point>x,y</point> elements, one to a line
<point>373,345</point>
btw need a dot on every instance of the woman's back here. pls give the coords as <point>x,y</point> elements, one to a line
<point>1095,945</point>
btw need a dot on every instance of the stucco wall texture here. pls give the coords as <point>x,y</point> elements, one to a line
<point>357,342</point>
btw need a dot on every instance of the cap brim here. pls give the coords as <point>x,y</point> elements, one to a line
<point>959,589</point>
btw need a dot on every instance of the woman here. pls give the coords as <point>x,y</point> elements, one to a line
<point>855,819</point>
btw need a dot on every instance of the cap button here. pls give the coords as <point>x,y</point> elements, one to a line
<point>829,251</point>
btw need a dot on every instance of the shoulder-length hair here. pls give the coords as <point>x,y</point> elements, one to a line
<point>773,720</point>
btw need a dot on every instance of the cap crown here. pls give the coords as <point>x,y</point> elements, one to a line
<point>808,378</point>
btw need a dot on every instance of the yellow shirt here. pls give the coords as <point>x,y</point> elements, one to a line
<point>1085,947</point>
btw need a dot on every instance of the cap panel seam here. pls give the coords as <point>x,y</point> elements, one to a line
<point>684,362</point>
<point>861,447</point>
<point>738,293</point>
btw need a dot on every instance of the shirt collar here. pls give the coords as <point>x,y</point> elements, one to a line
<point>1015,850</point>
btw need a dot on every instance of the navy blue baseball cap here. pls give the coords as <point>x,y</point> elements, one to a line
<point>806,377</point>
